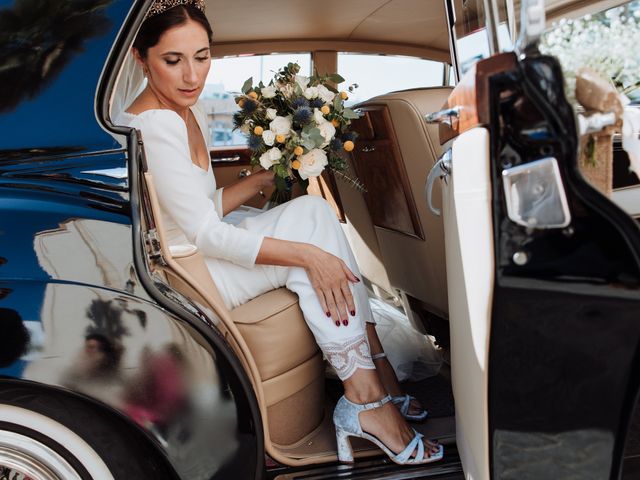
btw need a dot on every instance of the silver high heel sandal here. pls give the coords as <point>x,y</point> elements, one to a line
<point>347,422</point>
<point>403,402</point>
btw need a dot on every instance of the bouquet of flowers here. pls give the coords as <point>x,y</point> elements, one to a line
<point>297,126</point>
<point>606,42</point>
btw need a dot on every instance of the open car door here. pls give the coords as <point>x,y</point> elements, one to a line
<point>543,270</point>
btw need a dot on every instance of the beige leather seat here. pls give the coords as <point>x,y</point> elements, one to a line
<point>394,153</point>
<point>268,333</point>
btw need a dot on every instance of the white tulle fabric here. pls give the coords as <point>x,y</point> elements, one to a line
<point>192,214</point>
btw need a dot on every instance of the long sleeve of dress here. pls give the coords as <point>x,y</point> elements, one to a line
<point>166,146</point>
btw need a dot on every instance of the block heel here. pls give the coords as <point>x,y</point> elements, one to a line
<point>345,451</point>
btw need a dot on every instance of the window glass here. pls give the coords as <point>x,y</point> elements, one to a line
<point>472,41</point>
<point>225,81</point>
<point>379,74</point>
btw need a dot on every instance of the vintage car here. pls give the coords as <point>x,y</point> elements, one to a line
<point>120,360</point>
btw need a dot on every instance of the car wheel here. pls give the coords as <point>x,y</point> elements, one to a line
<point>46,435</point>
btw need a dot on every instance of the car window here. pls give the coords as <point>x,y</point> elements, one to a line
<point>225,81</point>
<point>400,73</point>
<point>471,34</point>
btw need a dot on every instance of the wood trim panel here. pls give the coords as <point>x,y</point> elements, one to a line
<point>241,152</point>
<point>222,49</point>
<point>471,95</point>
<point>378,164</point>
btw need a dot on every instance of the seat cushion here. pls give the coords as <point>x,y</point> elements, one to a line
<point>274,328</point>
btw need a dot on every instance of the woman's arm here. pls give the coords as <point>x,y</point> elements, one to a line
<point>328,274</point>
<point>239,192</point>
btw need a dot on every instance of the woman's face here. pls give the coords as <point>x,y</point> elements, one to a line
<point>178,65</point>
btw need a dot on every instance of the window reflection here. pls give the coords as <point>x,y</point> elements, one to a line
<point>37,40</point>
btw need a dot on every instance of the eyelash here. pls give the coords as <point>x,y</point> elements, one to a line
<point>175,62</point>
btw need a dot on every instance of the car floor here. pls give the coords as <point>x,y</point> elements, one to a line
<point>433,392</point>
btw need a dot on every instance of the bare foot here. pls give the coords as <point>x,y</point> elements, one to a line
<point>386,424</point>
<point>391,384</point>
<point>385,370</point>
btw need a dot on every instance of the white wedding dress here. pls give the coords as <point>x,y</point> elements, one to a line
<point>191,208</point>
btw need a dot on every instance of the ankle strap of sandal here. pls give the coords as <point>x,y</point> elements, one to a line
<point>378,355</point>
<point>378,404</point>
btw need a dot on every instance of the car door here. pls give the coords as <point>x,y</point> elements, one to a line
<point>543,270</point>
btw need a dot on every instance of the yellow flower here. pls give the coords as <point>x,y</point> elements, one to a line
<point>298,151</point>
<point>258,130</point>
<point>325,109</point>
<point>280,138</point>
<point>295,164</point>
<point>335,122</point>
<point>344,95</point>
<point>348,145</point>
<point>253,95</point>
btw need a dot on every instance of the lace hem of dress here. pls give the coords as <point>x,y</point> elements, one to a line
<point>349,355</point>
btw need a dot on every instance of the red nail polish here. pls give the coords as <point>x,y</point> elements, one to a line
<point>337,323</point>
<point>353,313</point>
<point>328,314</point>
<point>345,322</point>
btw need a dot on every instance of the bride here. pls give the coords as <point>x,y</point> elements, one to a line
<point>299,244</point>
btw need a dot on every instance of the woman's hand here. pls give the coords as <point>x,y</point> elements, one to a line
<point>246,188</point>
<point>330,277</point>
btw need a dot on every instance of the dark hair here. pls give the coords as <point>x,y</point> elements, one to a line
<point>153,28</point>
<point>15,337</point>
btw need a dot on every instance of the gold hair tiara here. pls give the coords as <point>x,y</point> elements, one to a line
<point>160,6</point>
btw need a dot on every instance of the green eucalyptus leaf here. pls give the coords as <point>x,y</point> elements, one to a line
<point>246,87</point>
<point>335,78</point>
<point>350,114</point>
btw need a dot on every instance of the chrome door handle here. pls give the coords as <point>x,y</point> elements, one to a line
<point>441,169</point>
<point>245,172</point>
<point>368,148</point>
<point>445,116</point>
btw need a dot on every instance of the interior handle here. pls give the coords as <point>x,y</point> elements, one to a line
<point>441,169</point>
<point>369,148</point>
<point>445,116</point>
<point>245,172</point>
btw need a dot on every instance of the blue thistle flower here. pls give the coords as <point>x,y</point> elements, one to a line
<point>249,106</point>
<point>302,115</point>
<point>238,120</point>
<point>299,102</point>
<point>254,142</point>
<point>349,136</point>
<point>336,144</point>
<point>316,103</point>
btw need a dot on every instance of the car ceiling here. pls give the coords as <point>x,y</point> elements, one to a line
<point>415,27</point>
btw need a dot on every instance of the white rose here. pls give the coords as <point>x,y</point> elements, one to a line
<point>281,125</point>
<point>269,91</point>
<point>327,130</point>
<point>302,81</point>
<point>325,94</point>
<point>270,158</point>
<point>268,137</point>
<point>318,116</point>
<point>272,113</point>
<point>312,163</point>
<point>311,92</point>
